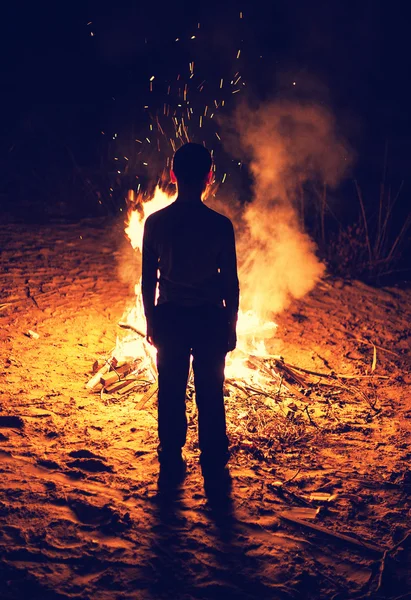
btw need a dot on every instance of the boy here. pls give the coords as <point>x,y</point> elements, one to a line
<point>193,248</point>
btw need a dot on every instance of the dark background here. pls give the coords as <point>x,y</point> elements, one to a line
<point>61,86</point>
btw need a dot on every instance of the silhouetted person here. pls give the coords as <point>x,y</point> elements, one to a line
<point>193,249</point>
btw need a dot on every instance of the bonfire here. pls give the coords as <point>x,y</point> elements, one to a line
<point>271,401</point>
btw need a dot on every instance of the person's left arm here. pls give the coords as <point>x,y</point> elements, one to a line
<point>231,291</point>
<point>149,277</point>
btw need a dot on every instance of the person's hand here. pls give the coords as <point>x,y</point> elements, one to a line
<point>232,339</point>
<point>150,333</point>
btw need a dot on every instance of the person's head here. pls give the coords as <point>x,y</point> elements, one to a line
<point>192,167</point>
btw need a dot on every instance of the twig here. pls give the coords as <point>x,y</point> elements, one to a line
<point>339,536</point>
<point>293,477</point>
<point>313,423</point>
<point>124,325</point>
<point>367,237</point>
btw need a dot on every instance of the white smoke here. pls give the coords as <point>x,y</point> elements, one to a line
<point>286,145</point>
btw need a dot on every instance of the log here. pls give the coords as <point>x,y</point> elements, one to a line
<point>117,386</point>
<point>118,373</point>
<point>129,387</point>
<point>111,377</point>
<point>95,380</point>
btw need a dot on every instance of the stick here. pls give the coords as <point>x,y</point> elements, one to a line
<point>280,365</point>
<point>337,375</point>
<point>124,325</point>
<point>147,396</point>
<point>339,536</point>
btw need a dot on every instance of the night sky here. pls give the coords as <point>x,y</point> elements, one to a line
<point>72,70</point>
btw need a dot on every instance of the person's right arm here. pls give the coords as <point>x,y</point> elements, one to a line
<point>149,277</point>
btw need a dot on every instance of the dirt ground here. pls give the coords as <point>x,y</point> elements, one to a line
<point>81,513</point>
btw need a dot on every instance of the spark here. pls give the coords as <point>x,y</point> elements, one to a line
<point>139,141</point>
<point>217,136</point>
<point>293,82</point>
<point>234,92</point>
<point>221,83</point>
<point>238,53</point>
<point>224,177</point>
<point>241,14</point>
<point>146,164</point>
<point>148,140</point>
<point>193,37</point>
<point>152,78</point>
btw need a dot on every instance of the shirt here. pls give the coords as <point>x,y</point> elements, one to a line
<point>193,249</point>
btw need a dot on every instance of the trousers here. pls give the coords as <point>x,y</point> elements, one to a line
<point>178,333</point>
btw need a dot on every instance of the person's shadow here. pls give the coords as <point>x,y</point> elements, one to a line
<point>200,552</point>
<point>167,571</point>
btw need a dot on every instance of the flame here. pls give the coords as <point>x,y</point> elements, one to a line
<point>137,218</point>
<point>252,329</point>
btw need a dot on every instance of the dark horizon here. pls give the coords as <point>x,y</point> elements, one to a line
<point>352,58</point>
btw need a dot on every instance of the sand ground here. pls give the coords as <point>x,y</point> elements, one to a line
<point>81,513</point>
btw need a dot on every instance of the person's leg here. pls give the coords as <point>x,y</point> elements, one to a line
<point>173,362</point>
<point>208,365</point>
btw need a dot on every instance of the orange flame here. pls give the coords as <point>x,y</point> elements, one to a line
<point>251,328</point>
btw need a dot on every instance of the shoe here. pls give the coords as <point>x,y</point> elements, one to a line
<point>217,478</point>
<point>172,471</point>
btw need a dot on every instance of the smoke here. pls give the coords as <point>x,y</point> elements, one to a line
<point>286,145</point>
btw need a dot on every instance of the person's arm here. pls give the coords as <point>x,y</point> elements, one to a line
<point>229,277</point>
<point>149,278</point>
